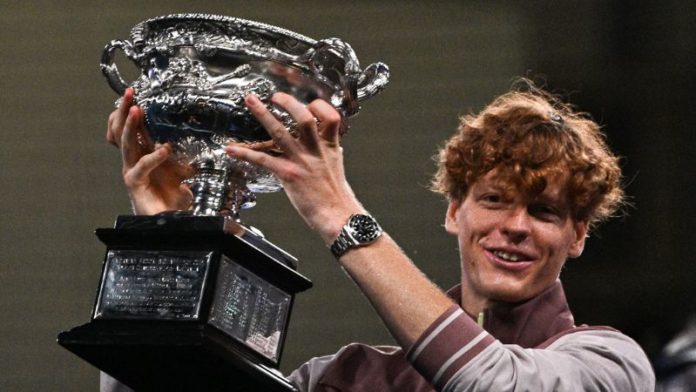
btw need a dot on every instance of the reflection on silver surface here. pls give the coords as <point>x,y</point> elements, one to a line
<point>196,70</point>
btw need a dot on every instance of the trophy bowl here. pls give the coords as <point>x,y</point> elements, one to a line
<point>196,69</point>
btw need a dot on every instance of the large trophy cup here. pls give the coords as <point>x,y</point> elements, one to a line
<point>196,300</point>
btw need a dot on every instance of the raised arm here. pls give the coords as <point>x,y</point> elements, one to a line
<point>312,173</point>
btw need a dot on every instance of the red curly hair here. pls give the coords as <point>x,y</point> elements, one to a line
<point>530,137</point>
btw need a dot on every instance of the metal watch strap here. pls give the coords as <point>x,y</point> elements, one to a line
<point>352,237</point>
<point>341,244</point>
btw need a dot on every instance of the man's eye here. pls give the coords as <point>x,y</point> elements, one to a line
<point>544,211</point>
<point>491,198</point>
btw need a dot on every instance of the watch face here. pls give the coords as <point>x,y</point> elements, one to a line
<point>365,228</point>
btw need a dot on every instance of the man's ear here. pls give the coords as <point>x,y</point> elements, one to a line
<point>578,245</point>
<point>451,221</point>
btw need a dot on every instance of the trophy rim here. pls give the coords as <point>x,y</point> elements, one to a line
<point>139,31</point>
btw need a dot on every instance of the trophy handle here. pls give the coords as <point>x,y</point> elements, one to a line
<point>373,80</point>
<point>109,68</point>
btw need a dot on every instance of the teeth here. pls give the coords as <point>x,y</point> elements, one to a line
<point>506,256</point>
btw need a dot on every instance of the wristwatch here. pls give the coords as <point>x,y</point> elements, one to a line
<point>359,231</point>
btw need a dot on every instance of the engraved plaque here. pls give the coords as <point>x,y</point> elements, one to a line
<point>162,285</point>
<point>250,309</point>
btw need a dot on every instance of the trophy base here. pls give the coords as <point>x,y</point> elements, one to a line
<point>156,356</point>
<point>189,303</point>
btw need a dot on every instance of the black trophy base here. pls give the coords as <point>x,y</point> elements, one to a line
<point>189,303</point>
<point>155,356</point>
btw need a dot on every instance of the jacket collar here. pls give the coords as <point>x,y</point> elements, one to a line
<point>530,323</point>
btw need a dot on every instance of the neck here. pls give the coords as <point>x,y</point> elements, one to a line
<point>472,303</point>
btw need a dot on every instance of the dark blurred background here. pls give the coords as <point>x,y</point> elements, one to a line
<point>630,64</point>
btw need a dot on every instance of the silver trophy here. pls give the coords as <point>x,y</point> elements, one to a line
<point>195,72</point>
<point>194,300</point>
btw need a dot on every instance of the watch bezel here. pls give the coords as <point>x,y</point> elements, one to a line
<point>359,230</point>
<point>363,228</point>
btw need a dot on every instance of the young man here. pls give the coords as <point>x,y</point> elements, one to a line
<point>525,179</point>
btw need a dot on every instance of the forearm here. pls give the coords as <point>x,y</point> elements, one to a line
<point>311,171</point>
<point>402,295</point>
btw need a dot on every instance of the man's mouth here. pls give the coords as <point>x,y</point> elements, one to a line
<point>507,256</point>
<point>508,260</point>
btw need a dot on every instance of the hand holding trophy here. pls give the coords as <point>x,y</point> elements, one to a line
<point>193,299</point>
<point>155,183</point>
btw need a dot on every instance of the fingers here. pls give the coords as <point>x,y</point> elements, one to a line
<point>305,119</point>
<point>117,118</point>
<point>132,147</point>
<point>145,165</point>
<point>256,157</point>
<point>330,121</point>
<point>274,127</point>
<point>126,102</point>
<point>316,121</point>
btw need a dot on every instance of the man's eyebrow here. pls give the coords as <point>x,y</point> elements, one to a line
<point>483,188</point>
<point>558,202</point>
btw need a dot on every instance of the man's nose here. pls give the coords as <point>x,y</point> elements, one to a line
<point>517,224</point>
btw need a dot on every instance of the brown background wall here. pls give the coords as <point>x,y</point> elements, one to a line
<point>629,67</point>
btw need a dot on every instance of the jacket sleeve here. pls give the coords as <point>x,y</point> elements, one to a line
<point>455,354</point>
<point>306,377</point>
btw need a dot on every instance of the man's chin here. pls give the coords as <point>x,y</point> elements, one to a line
<point>508,292</point>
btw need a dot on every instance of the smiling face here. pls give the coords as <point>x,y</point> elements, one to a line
<point>512,246</point>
